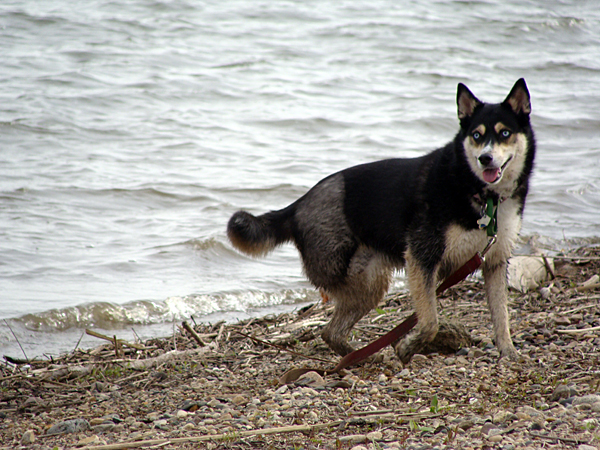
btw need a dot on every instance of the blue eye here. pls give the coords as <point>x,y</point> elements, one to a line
<point>505,133</point>
<point>476,135</point>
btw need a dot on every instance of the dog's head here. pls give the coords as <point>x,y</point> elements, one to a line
<point>496,136</point>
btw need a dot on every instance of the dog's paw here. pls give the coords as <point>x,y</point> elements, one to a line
<point>509,353</point>
<point>407,347</point>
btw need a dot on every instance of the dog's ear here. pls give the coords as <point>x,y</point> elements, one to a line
<point>518,99</point>
<point>466,102</point>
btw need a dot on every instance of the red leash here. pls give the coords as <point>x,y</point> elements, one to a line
<point>399,331</point>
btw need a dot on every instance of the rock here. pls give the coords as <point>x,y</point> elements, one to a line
<point>586,399</point>
<point>69,426</point>
<point>466,424</point>
<point>563,391</point>
<point>353,439</point>
<point>181,414</point>
<point>162,424</point>
<point>90,440</point>
<point>375,436</point>
<point>527,272</point>
<point>32,402</point>
<point>153,416</point>
<point>189,427</point>
<point>239,400</point>
<point>312,379</point>
<point>502,416</point>
<point>190,405</point>
<point>28,437</point>
<point>586,447</point>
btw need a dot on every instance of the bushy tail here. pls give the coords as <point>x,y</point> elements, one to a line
<point>257,236</point>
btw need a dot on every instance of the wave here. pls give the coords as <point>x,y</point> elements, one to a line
<point>107,315</point>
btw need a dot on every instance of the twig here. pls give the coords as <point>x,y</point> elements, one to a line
<point>580,331</point>
<point>190,330</point>
<point>80,338</point>
<point>13,333</point>
<point>109,339</point>
<point>556,438</point>
<point>216,437</point>
<point>283,349</point>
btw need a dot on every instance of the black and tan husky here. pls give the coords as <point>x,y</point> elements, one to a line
<point>356,226</point>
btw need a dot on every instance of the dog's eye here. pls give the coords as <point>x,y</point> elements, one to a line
<point>505,134</point>
<point>476,135</point>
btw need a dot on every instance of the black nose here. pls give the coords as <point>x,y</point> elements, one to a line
<point>486,159</point>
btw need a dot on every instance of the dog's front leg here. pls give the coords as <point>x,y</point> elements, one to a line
<point>495,286</point>
<point>421,283</point>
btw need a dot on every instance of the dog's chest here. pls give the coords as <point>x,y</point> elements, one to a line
<point>461,244</point>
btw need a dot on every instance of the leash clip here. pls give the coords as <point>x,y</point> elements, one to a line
<point>488,246</point>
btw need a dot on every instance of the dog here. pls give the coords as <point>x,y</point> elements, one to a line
<point>355,227</point>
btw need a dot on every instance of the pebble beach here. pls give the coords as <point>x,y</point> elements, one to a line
<point>217,386</point>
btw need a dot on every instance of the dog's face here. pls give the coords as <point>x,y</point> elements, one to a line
<point>494,136</point>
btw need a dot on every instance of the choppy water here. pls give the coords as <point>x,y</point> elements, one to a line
<point>130,130</point>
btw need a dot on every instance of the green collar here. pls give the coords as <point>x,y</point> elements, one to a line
<point>489,218</point>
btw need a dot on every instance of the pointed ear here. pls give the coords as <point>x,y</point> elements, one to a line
<point>518,99</point>
<point>466,101</point>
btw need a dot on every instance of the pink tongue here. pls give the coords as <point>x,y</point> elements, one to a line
<point>490,175</point>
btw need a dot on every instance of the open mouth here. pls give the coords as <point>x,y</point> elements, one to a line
<point>494,175</point>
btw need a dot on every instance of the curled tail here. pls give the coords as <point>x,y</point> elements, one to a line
<point>257,236</point>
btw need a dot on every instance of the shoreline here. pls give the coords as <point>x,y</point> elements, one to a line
<point>220,388</point>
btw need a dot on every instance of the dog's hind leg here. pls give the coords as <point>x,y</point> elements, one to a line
<point>422,288</point>
<point>365,286</point>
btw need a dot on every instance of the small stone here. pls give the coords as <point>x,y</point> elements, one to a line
<point>104,427</point>
<point>382,379</point>
<point>28,437</point>
<point>189,427</point>
<point>282,389</point>
<point>589,399</point>
<point>475,352</point>
<point>190,405</point>
<point>489,429</point>
<point>96,421</point>
<point>32,402</point>
<point>90,440</point>
<point>419,358</point>
<point>153,416</point>
<point>239,400</point>
<point>354,439</point>
<point>69,426</point>
<point>586,447</point>
<point>502,416</point>
<point>405,373</point>
<point>495,438</point>
<point>562,320</point>
<point>161,424</point>
<point>375,436</point>
<point>181,414</point>
<point>563,391</point>
<point>312,379</point>
<point>312,417</point>
<point>214,403</point>
<point>359,447</point>
<point>466,424</point>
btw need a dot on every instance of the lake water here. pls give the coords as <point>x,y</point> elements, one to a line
<point>130,130</point>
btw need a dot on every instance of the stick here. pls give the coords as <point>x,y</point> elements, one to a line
<point>581,331</point>
<point>77,345</point>
<point>111,340</point>
<point>17,339</point>
<point>190,330</point>
<point>215,437</point>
